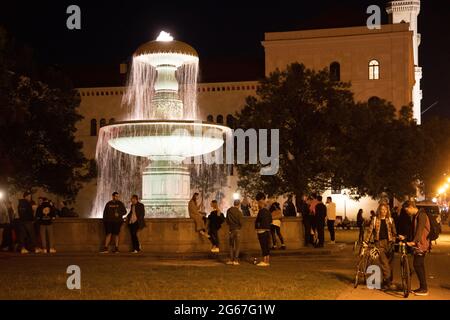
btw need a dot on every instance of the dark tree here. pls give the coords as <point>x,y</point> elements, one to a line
<point>328,140</point>
<point>38,114</point>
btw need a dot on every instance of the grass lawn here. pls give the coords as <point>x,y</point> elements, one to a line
<point>131,277</point>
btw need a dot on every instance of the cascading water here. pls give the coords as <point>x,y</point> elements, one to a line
<point>143,154</point>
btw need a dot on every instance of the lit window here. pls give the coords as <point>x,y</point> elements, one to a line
<point>374,70</point>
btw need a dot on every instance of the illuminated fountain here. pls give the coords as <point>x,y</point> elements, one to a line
<point>160,131</point>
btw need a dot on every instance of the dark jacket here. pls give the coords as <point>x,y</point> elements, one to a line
<point>321,213</point>
<point>303,208</point>
<point>235,218</point>
<point>404,225</point>
<point>215,218</point>
<point>140,215</point>
<point>263,219</point>
<point>359,220</point>
<point>114,211</point>
<point>45,213</point>
<point>289,209</point>
<point>25,211</point>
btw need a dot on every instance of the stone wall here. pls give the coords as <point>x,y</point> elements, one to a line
<point>164,235</point>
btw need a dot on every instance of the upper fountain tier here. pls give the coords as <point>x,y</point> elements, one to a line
<point>166,51</point>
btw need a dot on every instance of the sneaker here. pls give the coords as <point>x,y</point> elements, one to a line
<point>24,251</point>
<point>236,263</point>
<point>229,262</point>
<point>134,251</point>
<point>283,247</point>
<point>105,250</point>
<point>52,250</point>
<point>116,250</point>
<point>263,264</point>
<point>273,248</point>
<point>44,250</point>
<point>420,292</point>
<point>37,250</point>
<point>332,242</point>
<point>215,250</point>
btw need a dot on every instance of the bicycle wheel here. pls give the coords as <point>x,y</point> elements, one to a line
<point>406,276</point>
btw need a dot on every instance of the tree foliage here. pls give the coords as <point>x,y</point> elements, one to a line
<point>329,140</point>
<point>38,114</point>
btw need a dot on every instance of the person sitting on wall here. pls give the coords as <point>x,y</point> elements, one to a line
<point>135,221</point>
<point>112,221</point>
<point>194,213</point>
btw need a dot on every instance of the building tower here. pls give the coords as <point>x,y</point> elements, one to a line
<point>408,11</point>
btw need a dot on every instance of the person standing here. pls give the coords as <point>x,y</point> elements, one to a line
<point>382,228</point>
<point>320,215</point>
<point>360,223</point>
<point>26,216</point>
<point>262,226</point>
<point>215,221</point>
<point>194,213</point>
<point>404,226</point>
<point>135,221</point>
<point>303,209</point>
<point>112,221</point>
<point>421,244</point>
<point>246,207</point>
<point>275,227</point>
<point>289,208</point>
<point>331,218</point>
<point>5,223</point>
<point>235,221</point>
<point>45,214</point>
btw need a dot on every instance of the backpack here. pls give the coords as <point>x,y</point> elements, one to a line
<point>435,227</point>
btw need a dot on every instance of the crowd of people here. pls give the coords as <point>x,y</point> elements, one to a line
<point>30,227</point>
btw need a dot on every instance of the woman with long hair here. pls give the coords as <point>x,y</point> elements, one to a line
<point>382,228</point>
<point>360,223</point>
<point>275,227</point>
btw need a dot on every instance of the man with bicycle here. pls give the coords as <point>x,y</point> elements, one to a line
<point>421,244</point>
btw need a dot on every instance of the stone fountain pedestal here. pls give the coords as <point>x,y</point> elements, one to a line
<point>166,189</point>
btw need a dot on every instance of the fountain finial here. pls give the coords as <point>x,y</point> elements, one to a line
<point>164,37</point>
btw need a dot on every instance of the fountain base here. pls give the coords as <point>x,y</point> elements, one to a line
<point>166,189</point>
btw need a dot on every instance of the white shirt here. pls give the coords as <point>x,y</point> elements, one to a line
<point>331,211</point>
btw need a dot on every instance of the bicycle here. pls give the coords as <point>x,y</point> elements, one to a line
<point>405,271</point>
<point>363,263</point>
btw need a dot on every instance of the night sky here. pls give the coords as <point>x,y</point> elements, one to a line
<point>226,34</point>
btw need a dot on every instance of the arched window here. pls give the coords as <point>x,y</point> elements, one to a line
<point>220,119</point>
<point>93,127</point>
<point>373,101</point>
<point>210,118</point>
<point>335,71</point>
<point>374,70</point>
<point>230,121</point>
<point>112,121</point>
<point>102,123</point>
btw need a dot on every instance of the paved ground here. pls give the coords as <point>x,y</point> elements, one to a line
<point>302,274</point>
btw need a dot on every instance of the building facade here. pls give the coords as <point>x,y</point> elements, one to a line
<point>380,63</point>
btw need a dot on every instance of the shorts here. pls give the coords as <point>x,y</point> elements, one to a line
<point>112,227</point>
